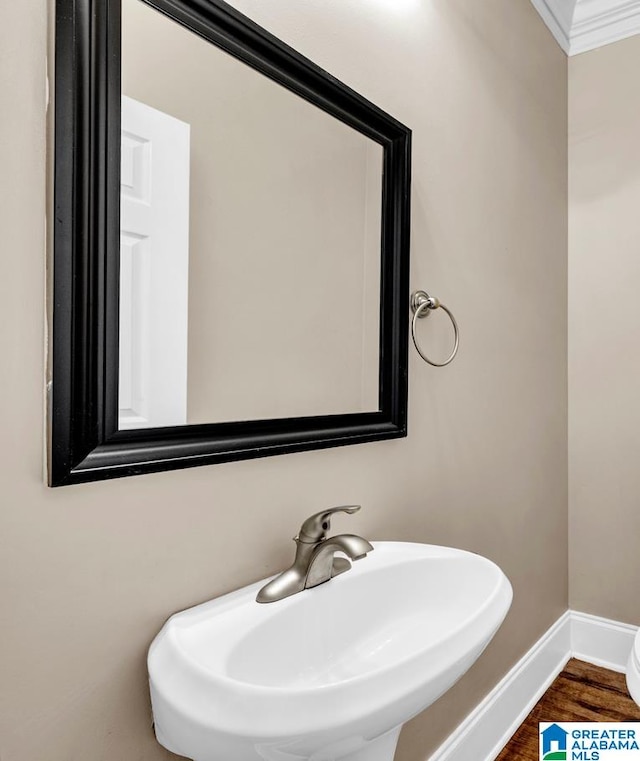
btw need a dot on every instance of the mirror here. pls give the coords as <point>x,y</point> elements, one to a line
<point>250,253</point>
<point>230,246</point>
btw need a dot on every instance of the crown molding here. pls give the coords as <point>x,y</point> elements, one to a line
<point>600,22</point>
<point>582,25</point>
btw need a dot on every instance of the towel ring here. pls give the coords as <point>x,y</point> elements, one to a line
<point>421,305</point>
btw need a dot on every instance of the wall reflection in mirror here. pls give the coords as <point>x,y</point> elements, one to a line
<point>250,241</point>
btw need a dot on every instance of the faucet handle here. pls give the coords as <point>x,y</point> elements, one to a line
<point>315,528</point>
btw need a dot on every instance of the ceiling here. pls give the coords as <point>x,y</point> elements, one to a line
<point>581,25</point>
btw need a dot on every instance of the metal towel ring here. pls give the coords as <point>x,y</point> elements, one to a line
<point>421,305</point>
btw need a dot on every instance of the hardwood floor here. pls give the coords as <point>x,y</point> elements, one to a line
<point>582,692</point>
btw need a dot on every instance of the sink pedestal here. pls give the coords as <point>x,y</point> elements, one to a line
<point>381,749</point>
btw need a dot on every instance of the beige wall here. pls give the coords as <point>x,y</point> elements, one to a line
<point>89,573</point>
<point>604,325</point>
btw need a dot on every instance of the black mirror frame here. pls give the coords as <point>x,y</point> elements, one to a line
<point>86,444</point>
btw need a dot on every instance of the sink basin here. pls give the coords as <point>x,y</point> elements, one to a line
<point>332,672</point>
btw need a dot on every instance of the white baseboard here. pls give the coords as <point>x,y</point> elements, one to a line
<point>601,641</point>
<point>488,728</point>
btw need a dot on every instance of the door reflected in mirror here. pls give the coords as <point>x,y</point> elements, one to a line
<point>250,241</point>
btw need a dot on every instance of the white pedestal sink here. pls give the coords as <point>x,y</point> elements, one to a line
<point>332,672</point>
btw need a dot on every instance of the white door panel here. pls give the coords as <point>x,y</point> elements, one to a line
<point>154,268</point>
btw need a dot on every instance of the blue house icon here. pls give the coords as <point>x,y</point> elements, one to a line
<point>554,734</point>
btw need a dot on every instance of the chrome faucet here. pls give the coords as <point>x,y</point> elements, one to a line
<point>314,562</point>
